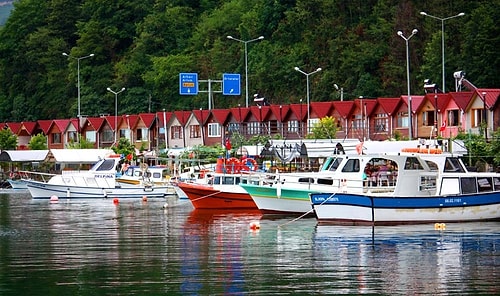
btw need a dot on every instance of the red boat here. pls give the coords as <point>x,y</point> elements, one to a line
<point>218,196</point>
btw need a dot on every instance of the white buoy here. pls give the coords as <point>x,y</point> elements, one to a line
<point>54,198</point>
<point>165,205</point>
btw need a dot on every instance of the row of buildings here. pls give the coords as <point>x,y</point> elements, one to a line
<point>433,114</point>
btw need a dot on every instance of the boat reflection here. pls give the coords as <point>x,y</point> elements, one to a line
<point>212,241</point>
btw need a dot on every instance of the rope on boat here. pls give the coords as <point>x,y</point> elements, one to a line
<point>308,212</point>
<point>194,200</point>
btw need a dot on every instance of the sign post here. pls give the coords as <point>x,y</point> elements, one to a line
<point>231,84</point>
<point>188,83</point>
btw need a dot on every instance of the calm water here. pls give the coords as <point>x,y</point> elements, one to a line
<point>140,248</point>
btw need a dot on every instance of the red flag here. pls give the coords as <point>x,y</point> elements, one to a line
<point>443,126</point>
<point>228,144</point>
<point>130,156</point>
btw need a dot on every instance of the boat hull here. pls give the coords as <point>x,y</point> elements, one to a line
<point>40,190</point>
<point>353,209</point>
<point>276,200</point>
<point>206,197</point>
<point>17,184</point>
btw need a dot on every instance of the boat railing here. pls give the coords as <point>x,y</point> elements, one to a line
<point>36,176</point>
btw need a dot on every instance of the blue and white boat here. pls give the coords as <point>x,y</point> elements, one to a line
<point>420,186</point>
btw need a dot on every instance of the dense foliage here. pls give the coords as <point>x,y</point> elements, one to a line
<point>144,45</point>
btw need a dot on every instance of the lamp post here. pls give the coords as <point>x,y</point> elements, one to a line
<point>116,109</point>
<point>201,127</point>
<point>400,34</point>
<point>484,122</point>
<point>442,37</point>
<point>307,90</point>
<point>78,77</point>
<point>246,61</point>
<point>436,111</point>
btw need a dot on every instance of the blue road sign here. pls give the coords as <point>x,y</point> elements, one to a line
<point>188,83</point>
<point>231,84</point>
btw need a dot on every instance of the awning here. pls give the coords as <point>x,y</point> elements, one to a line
<point>23,155</point>
<point>79,155</point>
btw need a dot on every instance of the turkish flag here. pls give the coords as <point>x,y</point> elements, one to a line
<point>228,144</point>
<point>443,126</point>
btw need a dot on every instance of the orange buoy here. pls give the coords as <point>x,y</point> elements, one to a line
<point>116,201</point>
<point>254,225</point>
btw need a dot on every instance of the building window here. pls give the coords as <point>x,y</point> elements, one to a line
<point>194,131</point>
<point>142,134</point>
<point>357,123</point>
<point>428,118</point>
<point>176,132</point>
<point>402,119</point>
<point>234,127</point>
<point>381,123</point>
<point>56,138</point>
<point>125,133</point>
<point>107,136</point>
<point>478,117</point>
<point>90,136</point>
<point>453,118</point>
<point>293,126</point>
<point>214,130</point>
<point>72,137</point>
<point>312,122</point>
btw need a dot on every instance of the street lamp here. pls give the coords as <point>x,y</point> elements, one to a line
<point>78,79</point>
<point>116,109</point>
<point>246,61</point>
<point>436,112</point>
<point>400,34</point>
<point>442,37</point>
<point>307,80</point>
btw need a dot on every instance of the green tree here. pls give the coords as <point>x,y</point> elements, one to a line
<point>8,141</point>
<point>326,128</point>
<point>38,142</point>
<point>81,144</point>
<point>124,148</point>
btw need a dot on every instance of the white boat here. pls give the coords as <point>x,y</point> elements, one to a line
<point>144,175</point>
<point>98,182</point>
<point>17,183</point>
<point>424,186</point>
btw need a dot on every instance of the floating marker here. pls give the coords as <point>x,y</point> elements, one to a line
<point>254,225</point>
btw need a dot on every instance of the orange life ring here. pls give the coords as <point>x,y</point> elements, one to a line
<point>248,164</point>
<point>411,150</point>
<point>431,150</point>
<point>233,165</point>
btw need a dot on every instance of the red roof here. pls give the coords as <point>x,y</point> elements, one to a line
<point>148,119</point>
<point>243,111</point>
<point>161,114</point>
<point>260,112</point>
<point>132,120</point>
<point>280,111</point>
<point>45,125</point>
<point>220,115</point>
<point>462,99</point>
<point>182,116</point>
<point>14,127</point>
<point>97,122</point>
<point>61,124</point>
<point>322,109</point>
<point>300,111</point>
<point>344,108</point>
<point>29,126</point>
<point>389,105</point>
<point>416,101</point>
<point>491,96</point>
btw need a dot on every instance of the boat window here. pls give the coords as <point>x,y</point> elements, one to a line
<point>432,165</point>
<point>106,165</point>
<point>156,175</point>
<point>452,165</point>
<point>306,180</point>
<point>334,164</point>
<point>484,184</point>
<point>228,180</point>
<point>450,186</point>
<point>412,163</point>
<point>496,183</point>
<point>427,183</point>
<point>216,180</point>
<point>351,166</point>
<point>325,181</point>
<point>468,185</point>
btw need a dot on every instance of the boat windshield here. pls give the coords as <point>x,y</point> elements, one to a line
<point>332,164</point>
<point>105,165</point>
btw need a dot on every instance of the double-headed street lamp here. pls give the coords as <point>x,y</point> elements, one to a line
<point>116,110</point>
<point>78,79</point>
<point>442,37</point>
<point>246,61</point>
<point>400,34</point>
<point>307,81</point>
